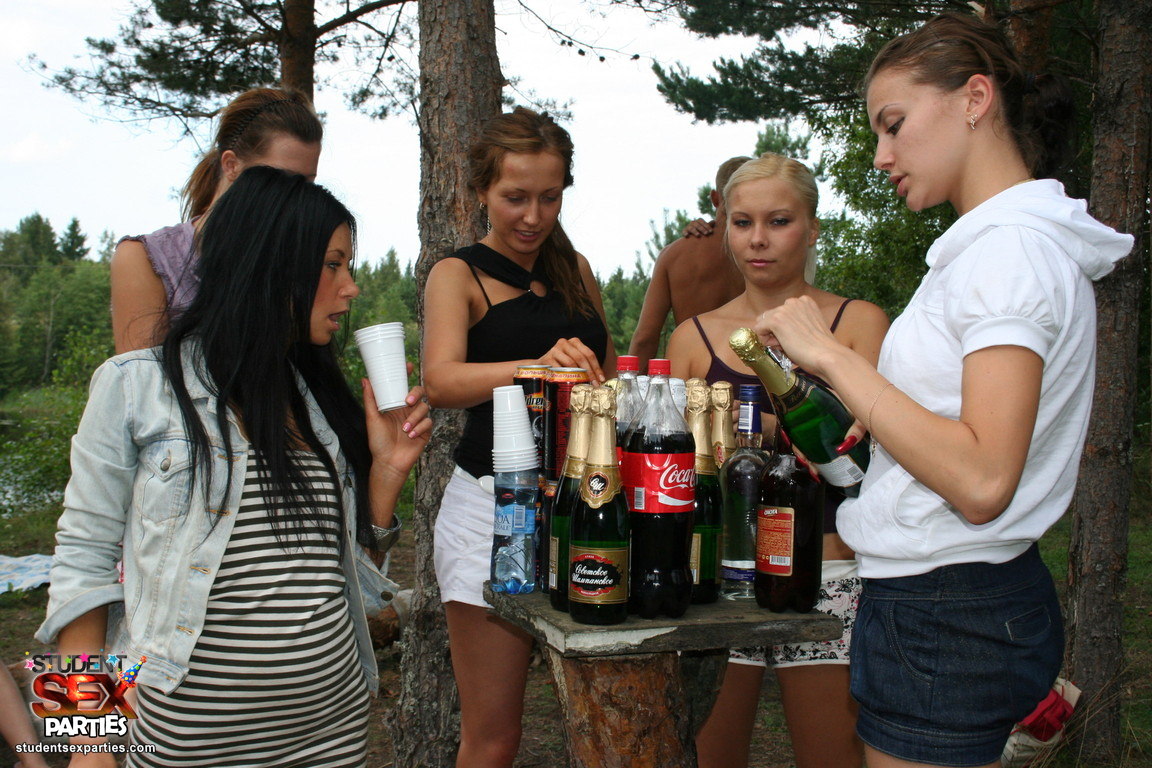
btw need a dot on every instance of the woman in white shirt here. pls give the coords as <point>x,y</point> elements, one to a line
<point>979,406</point>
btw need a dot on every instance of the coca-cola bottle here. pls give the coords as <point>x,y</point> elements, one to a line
<point>660,478</point>
<point>598,549</point>
<point>789,538</point>
<point>705,556</point>
<point>627,395</point>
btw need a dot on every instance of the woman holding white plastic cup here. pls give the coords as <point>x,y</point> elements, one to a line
<point>520,296</point>
<point>382,350</point>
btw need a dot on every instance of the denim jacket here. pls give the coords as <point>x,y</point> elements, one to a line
<point>131,497</point>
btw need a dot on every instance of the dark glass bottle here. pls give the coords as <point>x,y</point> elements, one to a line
<point>814,419</point>
<point>704,559</point>
<point>598,549</point>
<point>567,496</point>
<point>740,486</point>
<point>661,488</point>
<point>789,538</point>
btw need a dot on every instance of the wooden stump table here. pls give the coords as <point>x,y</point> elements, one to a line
<point>634,694</point>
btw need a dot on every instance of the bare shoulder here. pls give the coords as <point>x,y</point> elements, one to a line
<point>130,254</point>
<point>687,352</point>
<point>864,313</point>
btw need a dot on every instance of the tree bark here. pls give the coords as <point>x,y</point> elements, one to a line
<point>1030,27</point>
<point>460,87</point>
<point>298,46</point>
<point>1122,132</point>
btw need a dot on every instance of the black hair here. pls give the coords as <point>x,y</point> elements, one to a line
<point>261,253</point>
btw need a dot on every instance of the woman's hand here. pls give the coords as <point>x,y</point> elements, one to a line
<point>573,353</point>
<point>397,437</point>
<point>799,328</point>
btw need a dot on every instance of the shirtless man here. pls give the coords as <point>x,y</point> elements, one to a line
<point>692,275</point>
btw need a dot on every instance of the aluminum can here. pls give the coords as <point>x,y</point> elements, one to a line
<point>532,379</point>
<point>557,419</point>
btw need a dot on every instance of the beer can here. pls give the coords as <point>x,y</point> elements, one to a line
<point>558,390</point>
<point>533,378</point>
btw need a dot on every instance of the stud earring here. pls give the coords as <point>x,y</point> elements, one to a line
<point>972,121</point>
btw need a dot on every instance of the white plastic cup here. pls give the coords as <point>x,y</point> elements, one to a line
<point>515,461</point>
<point>382,350</point>
<point>511,427</point>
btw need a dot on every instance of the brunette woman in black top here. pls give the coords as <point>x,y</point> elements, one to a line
<point>522,295</point>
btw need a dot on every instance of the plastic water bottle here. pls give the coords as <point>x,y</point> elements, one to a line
<point>514,534</point>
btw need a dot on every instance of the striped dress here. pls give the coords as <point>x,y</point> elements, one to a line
<point>273,680</point>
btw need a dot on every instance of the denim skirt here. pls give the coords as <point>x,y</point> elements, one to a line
<point>945,663</point>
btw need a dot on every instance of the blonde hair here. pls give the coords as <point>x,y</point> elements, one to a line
<point>773,166</point>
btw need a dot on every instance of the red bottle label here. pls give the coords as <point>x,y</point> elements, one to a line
<point>775,531</point>
<point>661,482</point>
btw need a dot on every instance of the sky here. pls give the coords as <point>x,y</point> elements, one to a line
<point>635,155</point>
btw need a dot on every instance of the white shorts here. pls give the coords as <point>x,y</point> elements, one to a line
<point>462,544</point>
<point>839,596</point>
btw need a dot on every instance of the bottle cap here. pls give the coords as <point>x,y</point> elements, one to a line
<point>627,363</point>
<point>659,367</point>
<point>751,393</point>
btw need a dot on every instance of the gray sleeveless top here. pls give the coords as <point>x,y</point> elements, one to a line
<point>172,252</point>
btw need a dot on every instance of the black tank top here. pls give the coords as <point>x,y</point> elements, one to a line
<point>523,328</point>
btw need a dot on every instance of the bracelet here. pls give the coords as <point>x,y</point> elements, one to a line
<point>887,386</point>
<point>384,538</point>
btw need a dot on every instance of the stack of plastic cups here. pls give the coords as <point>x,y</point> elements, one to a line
<point>516,466</point>
<point>382,350</point>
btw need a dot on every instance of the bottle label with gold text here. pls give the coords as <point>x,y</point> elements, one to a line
<point>598,576</point>
<point>775,533</point>
<point>694,558</point>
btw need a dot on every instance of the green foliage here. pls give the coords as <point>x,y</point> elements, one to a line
<point>387,295</point>
<point>623,296</point>
<point>37,428</point>
<point>73,243</point>
<point>49,293</point>
<point>184,58</point>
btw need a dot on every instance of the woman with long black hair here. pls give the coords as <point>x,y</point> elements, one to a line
<point>250,496</point>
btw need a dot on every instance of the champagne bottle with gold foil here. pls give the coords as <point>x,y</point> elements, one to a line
<point>704,559</point>
<point>568,495</point>
<point>814,419</point>
<point>598,548</point>
<point>723,429</point>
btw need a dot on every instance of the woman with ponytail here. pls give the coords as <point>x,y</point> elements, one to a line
<point>520,296</point>
<point>978,407</point>
<point>153,278</point>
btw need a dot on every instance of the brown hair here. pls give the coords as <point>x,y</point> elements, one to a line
<point>726,169</point>
<point>949,49</point>
<point>246,126</point>
<point>523,130</point>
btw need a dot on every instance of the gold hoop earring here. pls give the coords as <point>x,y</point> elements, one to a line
<point>972,121</point>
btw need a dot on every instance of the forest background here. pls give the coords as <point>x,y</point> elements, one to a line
<point>53,284</point>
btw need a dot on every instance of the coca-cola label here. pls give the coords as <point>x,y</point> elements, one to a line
<point>598,576</point>
<point>662,482</point>
<point>775,535</point>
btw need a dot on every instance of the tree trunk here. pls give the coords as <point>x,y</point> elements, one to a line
<point>298,46</point>
<point>1122,131</point>
<point>460,86</point>
<point>1030,27</point>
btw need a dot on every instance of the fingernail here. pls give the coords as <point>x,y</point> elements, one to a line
<point>848,444</point>
<point>410,400</point>
<point>407,426</point>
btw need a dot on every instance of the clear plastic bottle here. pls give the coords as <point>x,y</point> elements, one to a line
<point>627,395</point>
<point>741,479</point>
<point>514,532</point>
<point>660,478</point>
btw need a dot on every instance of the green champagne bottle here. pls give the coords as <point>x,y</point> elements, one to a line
<point>598,543</point>
<point>814,419</point>
<point>704,559</point>
<point>568,496</point>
